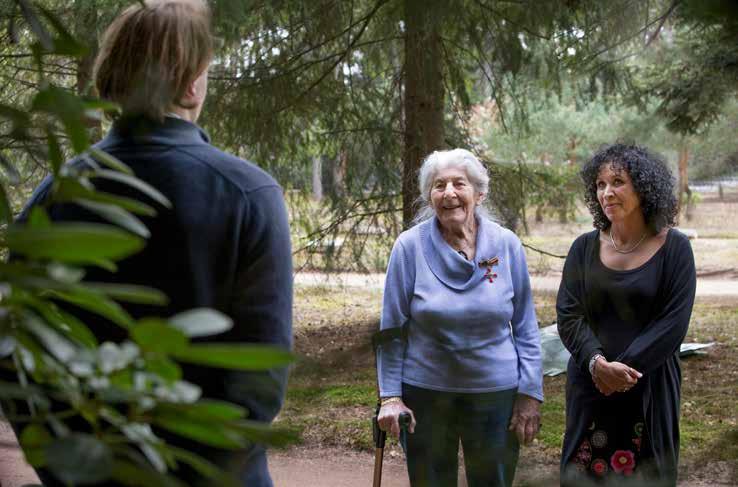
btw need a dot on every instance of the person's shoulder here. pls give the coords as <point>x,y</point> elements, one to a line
<point>243,174</point>
<point>408,238</point>
<point>678,241</point>
<point>585,239</point>
<point>500,234</point>
<point>583,242</point>
<point>679,237</point>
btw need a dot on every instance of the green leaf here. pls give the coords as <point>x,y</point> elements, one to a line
<point>156,335</point>
<point>110,161</point>
<point>99,104</point>
<point>164,367</point>
<point>76,329</point>
<point>62,321</point>
<point>234,356</point>
<point>198,463</point>
<point>204,410</point>
<point>149,444</point>
<point>95,302</point>
<point>6,214</point>
<point>201,322</point>
<point>259,432</point>
<point>130,293</point>
<point>71,189</point>
<point>105,264</point>
<point>34,439</point>
<point>136,183</point>
<point>56,156</point>
<point>79,459</point>
<point>61,348</point>
<point>116,215</point>
<point>70,110</point>
<point>122,379</point>
<point>209,433</point>
<point>138,475</point>
<point>38,218</point>
<point>75,243</point>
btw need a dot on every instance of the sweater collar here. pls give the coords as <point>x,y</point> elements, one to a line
<point>141,130</point>
<point>446,264</point>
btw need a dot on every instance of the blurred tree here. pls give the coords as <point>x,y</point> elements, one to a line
<point>374,86</point>
<point>371,87</point>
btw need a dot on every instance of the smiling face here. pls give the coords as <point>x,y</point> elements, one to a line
<point>453,198</point>
<point>616,194</point>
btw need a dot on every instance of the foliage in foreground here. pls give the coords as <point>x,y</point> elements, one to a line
<point>90,410</point>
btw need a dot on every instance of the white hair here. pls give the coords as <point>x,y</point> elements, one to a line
<point>456,158</point>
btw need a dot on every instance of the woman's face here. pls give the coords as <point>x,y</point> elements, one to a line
<point>453,197</point>
<point>616,194</point>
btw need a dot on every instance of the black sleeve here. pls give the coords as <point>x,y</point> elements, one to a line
<point>261,304</point>
<point>571,320</point>
<point>662,338</point>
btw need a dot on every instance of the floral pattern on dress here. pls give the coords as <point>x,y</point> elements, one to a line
<point>604,453</point>
<point>599,467</point>
<point>584,453</point>
<point>599,439</point>
<point>623,461</point>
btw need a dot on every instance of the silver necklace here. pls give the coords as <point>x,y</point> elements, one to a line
<point>612,240</point>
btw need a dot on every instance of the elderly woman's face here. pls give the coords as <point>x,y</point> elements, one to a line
<point>616,194</point>
<point>453,197</point>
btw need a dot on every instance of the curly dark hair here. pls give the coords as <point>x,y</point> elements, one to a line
<point>652,181</point>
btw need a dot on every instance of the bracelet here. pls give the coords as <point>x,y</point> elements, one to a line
<point>593,361</point>
<point>389,400</point>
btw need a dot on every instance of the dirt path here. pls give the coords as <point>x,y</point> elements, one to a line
<point>705,286</point>
<point>14,472</point>
<point>339,468</point>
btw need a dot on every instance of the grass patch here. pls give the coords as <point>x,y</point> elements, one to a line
<point>332,396</point>
<point>553,421</point>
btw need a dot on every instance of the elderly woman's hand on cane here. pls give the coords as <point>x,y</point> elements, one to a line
<point>389,415</point>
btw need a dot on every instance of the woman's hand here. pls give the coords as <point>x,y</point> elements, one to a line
<point>611,377</point>
<point>526,418</point>
<point>389,415</point>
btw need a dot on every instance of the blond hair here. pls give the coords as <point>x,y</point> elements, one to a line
<point>151,53</point>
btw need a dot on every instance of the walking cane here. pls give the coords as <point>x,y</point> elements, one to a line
<point>380,437</point>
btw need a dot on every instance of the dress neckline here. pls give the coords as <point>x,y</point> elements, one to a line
<point>598,257</point>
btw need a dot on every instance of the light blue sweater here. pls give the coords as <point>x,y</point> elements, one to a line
<point>464,333</point>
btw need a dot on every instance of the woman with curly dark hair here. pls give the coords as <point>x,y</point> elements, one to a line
<point>623,309</point>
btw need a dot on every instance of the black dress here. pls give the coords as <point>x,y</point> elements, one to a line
<point>638,317</point>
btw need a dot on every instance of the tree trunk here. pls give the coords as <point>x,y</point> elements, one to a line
<point>317,178</point>
<point>424,95</point>
<point>685,195</point>
<point>571,148</point>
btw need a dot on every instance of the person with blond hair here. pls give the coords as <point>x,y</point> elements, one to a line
<point>224,243</point>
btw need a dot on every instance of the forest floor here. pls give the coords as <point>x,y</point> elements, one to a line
<point>332,392</point>
<point>332,388</point>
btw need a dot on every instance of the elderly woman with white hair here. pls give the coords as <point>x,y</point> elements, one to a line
<point>469,368</point>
